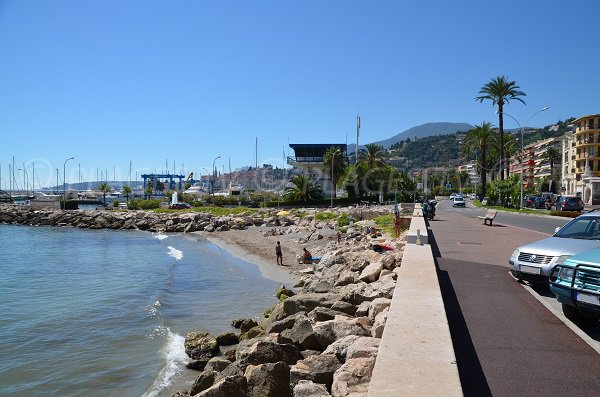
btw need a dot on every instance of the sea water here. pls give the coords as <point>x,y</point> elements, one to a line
<point>105,313</point>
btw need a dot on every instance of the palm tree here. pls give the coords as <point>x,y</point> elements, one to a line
<point>477,140</point>
<point>501,91</point>
<point>552,155</point>
<point>304,188</point>
<point>334,165</point>
<point>105,188</point>
<point>510,148</point>
<point>372,156</point>
<point>127,190</point>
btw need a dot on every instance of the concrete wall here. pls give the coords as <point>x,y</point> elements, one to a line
<point>416,356</point>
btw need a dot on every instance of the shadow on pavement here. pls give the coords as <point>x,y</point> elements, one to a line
<point>472,378</point>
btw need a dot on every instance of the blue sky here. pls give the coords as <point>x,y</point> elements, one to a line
<point>151,82</point>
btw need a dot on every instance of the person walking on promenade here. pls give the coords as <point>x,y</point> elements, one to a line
<point>279,254</point>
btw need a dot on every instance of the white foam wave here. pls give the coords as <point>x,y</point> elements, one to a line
<point>159,236</point>
<point>175,253</point>
<point>176,360</point>
<point>153,308</point>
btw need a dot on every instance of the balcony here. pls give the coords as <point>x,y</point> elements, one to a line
<point>305,160</point>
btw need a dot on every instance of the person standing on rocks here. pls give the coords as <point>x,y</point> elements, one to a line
<point>279,254</point>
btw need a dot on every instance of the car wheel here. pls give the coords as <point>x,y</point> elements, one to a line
<point>573,314</point>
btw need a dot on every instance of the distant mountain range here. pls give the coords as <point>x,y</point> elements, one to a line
<point>420,131</point>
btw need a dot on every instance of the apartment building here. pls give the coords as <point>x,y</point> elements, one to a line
<point>309,159</point>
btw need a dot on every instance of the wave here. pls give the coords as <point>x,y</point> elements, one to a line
<point>176,360</point>
<point>175,253</point>
<point>159,236</point>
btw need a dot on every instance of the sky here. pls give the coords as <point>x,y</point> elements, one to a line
<point>140,84</point>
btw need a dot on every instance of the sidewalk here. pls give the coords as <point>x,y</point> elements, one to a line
<point>506,342</point>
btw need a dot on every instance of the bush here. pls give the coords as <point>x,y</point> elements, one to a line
<point>325,216</point>
<point>115,204</point>
<point>343,220</point>
<point>138,204</point>
<point>566,214</point>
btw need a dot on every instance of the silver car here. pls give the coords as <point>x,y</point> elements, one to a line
<point>535,261</point>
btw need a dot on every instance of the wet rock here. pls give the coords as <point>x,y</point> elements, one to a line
<point>203,382</point>
<point>217,364</point>
<point>227,339</point>
<point>286,323</point>
<point>200,345</point>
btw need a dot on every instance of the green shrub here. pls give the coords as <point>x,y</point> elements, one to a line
<point>566,214</point>
<point>139,204</point>
<point>385,223</point>
<point>343,220</point>
<point>115,204</point>
<point>325,216</point>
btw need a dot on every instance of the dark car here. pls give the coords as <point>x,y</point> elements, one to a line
<point>180,206</point>
<point>569,203</point>
<point>530,201</point>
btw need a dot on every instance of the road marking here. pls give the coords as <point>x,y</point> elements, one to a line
<point>594,344</point>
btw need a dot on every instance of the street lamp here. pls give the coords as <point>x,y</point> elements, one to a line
<point>64,179</point>
<point>522,149</point>
<point>333,154</point>
<point>212,185</point>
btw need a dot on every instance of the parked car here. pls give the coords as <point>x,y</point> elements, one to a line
<point>576,284</point>
<point>569,203</point>
<point>180,206</point>
<point>484,201</point>
<point>535,261</point>
<point>452,196</point>
<point>458,201</point>
<point>530,201</point>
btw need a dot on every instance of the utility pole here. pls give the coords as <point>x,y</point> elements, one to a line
<point>357,132</point>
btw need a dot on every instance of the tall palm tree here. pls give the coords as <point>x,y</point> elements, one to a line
<point>477,140</point>
<point>372,156</point>
<point>127,190</point>
<point>551,155</point>
<point>510,148</point>
<point>303,188</point>
<point>501,91</point>
<point>334,165</point>
<point>105,188</point>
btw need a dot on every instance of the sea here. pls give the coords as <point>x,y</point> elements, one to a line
<point>105,312</point>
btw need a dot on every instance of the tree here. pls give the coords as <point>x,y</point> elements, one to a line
<point>477,141</point>
<point>510,148</point>
<point>303,188</point>
<point>127,190</point>
<point>105,188</point>
<point>372,156</point>
<point>501,91</point>
<point>334,165</point>
<point>551,155</point>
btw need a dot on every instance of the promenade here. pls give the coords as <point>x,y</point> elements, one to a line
<point>506,342</point>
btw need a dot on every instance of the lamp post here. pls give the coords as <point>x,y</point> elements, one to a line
<point>212,184</point>
<point>522,149</point>
<point>64,179</point>
<point>207,174</point>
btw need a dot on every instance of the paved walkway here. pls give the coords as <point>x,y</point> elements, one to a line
<point>506,342</point>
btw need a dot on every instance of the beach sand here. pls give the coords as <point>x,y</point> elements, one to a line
<point>252,246</point>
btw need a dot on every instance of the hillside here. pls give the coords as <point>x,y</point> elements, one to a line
<point>420,131</point>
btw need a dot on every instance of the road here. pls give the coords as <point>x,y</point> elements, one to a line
<point>508,341</point>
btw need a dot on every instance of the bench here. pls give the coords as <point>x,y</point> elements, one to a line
<point>491,214</point>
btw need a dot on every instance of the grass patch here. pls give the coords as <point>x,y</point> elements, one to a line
<point>385,223</point>
<point>566,214</point>
<point>326,216</point>
<point>215,211</point>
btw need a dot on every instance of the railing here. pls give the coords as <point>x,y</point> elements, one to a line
<point>297,159</point>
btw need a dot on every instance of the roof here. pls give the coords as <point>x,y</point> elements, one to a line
<point>317,145</point>
<point>587,117</point>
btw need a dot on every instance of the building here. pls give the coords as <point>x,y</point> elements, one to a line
<point>583,161</point>
<point>309,159</point>
<point>541,166</point>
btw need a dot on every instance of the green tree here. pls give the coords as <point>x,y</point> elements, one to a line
<point>105,188</point>
<point>501,91</point>
<point>477,141</point>
<point>303,188</point>
<point>372,156</point>
<point>127,190</point>
<point>334,165</point>
<point>551,155</point>
<point>149,189</point>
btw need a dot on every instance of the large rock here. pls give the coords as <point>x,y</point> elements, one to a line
<point>301,334</point>
<point>262,352</point>
<point>328,332</point>
<point>340,347</point>
<point>268,380</point>
<point>203,382</point>
<point>217,364</point>
<point>362,347</point>
<point>344,307</point>
<point>371,272</point>
<point>377,306</point>
<point>353,377</point>
<point>200,345</point>
<point>319,369</point>
<point>286,323</point>
<point>227,339</point>
<point>231,386</point>
<point>379,323</point>
<point>324,314</point>
<point>307,388</point>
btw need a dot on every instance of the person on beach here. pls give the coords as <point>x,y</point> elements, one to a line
<point>279,254</point>
<point>306,256</point>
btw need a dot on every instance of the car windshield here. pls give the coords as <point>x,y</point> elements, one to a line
<point>458,199</point>
<point>583,227</point>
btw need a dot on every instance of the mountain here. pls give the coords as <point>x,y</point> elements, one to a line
<point>420,131</point>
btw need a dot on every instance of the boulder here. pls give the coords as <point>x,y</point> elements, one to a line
<point>379,323</point>
<point>286,323</point>
<point>371,272</point>
<point>340,347</point>
<point>268,380</point>
<point>319,369</point>
<point>198,365</point>
<point>362,347</point>
<point>217,364</point>
<point>388,262</point>
<point>363,309</point>
<point>377,306</point>
<point>307,388</point>
<point>344,307</point>
<point>301,335</point>
<point>262,352</point>
<point>284,291</point>
<point>203,382</point>
<point>200,345</point>
<point>328,332</point>
<point>252,333</point>
<point>247,324</point>
<point>227,339</point>
<point>230,355</point>
<point>324,314</point>
<point>353,377</point>
<point>346,277</point>
<point>231,386</point>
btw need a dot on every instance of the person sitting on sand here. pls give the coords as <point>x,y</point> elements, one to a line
<point>373,232</point>
<point>306,256</point>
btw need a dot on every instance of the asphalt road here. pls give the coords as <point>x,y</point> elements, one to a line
<point>507,342</point>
